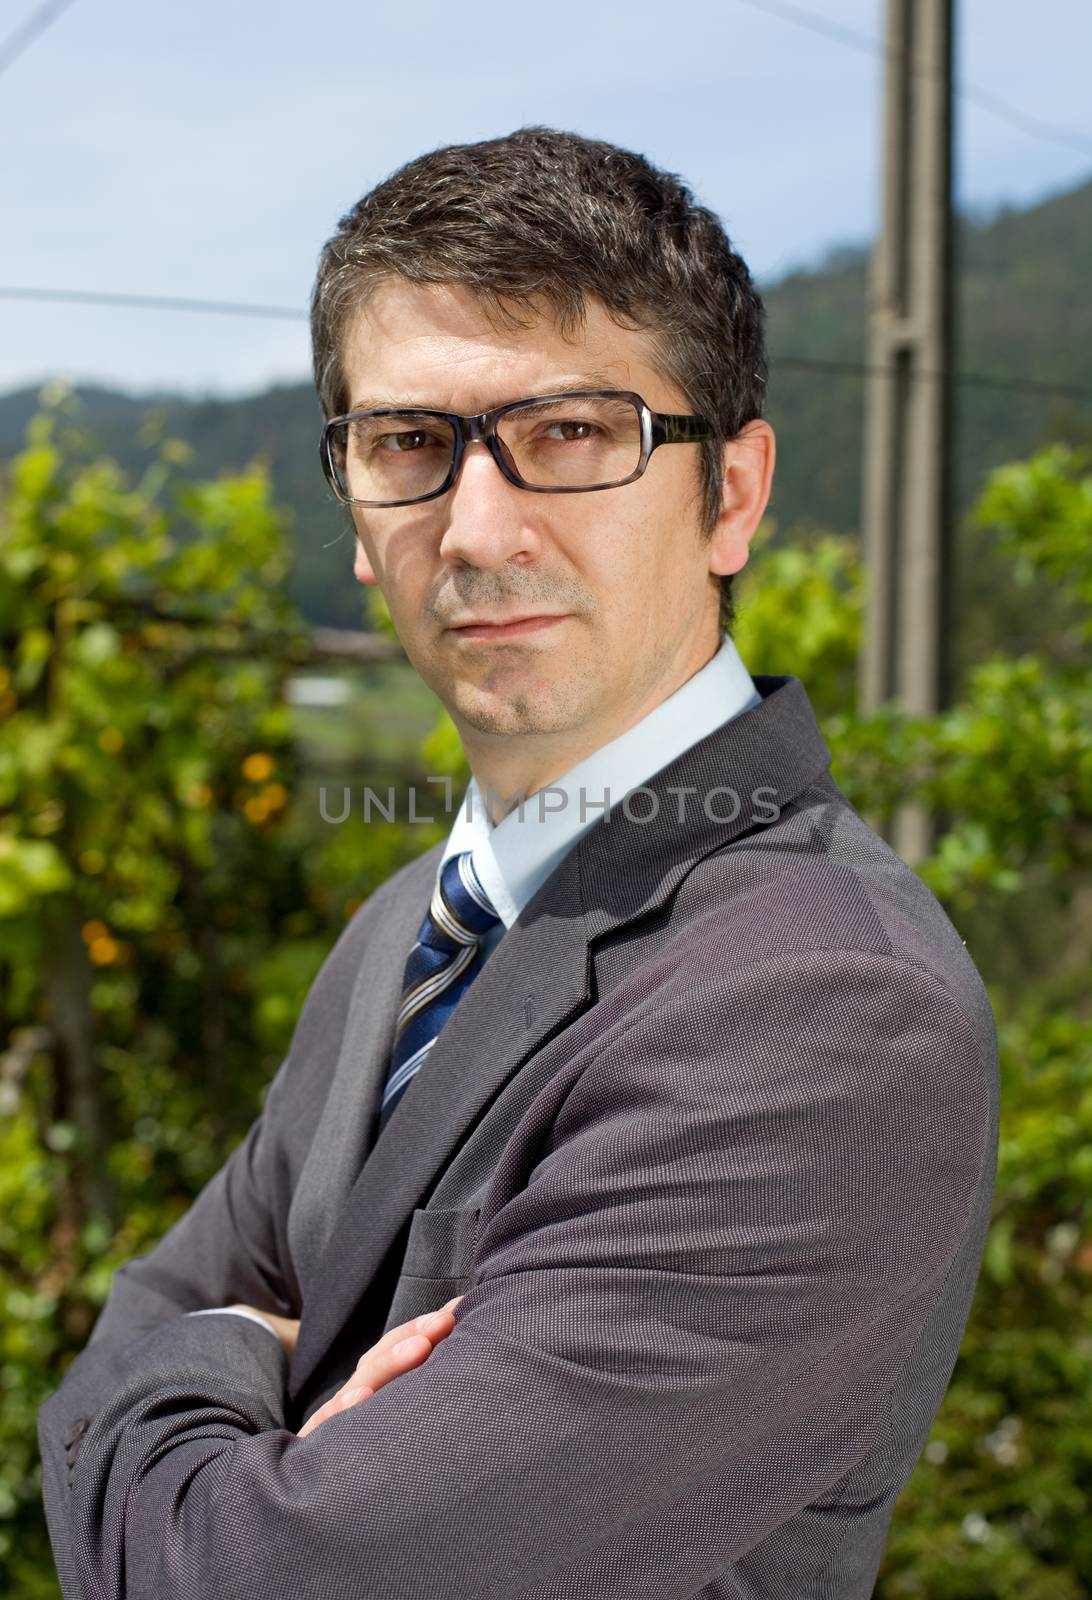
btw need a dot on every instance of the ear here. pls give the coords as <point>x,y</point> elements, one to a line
<point>745,490</point>
<point>362,567</point>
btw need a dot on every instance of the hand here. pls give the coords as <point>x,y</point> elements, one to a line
<point>286,1328</point>
<point>385,1360</point>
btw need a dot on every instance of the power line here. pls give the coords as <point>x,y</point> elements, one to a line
<point>984,98</point>
<point>25,36</point>
<point>155,302</point>
<point>975,380</point>
<point>238,308</point>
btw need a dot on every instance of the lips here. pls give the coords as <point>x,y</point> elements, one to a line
<point>504,622</point>
<point>513,627</point>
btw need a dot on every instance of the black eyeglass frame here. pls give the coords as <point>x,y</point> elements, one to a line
<point>657,428</point>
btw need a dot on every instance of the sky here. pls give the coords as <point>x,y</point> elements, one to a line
<point>208,150</point>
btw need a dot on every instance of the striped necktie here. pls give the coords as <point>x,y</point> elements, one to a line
<point>439,969</point>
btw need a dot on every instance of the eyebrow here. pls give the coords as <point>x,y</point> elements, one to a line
<point>587,380</point>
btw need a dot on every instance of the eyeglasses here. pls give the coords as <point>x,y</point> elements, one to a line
<point>552,444</point>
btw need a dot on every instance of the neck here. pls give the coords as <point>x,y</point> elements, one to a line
<point>510,768</point>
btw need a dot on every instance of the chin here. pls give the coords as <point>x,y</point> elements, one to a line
<point>511,711</point>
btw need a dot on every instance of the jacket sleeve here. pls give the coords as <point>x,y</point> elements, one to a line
<point>227,1247</point>
<point>230,1245</point>
<point>683,1328</point>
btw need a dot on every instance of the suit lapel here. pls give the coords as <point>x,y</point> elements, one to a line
<point>533,981</point>
<point>340,1145</point>
<point>537,978</point>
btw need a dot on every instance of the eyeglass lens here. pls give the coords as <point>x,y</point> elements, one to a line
<point>579,441</point>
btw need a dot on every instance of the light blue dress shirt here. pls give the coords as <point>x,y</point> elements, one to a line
<point>516,855</point>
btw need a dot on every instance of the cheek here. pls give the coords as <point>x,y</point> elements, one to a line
<point>612,549</point>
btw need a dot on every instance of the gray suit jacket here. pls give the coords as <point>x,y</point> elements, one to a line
<point>709,1147</point>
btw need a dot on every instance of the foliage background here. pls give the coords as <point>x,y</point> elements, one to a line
<point>168,889</point>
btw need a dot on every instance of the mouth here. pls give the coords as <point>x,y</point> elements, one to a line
<point>512,629</point>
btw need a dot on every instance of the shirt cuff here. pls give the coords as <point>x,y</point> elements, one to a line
<point>228,1311</point>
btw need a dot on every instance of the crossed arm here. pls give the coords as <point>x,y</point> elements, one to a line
<point>682,1330</point>
<point>399,1350</point>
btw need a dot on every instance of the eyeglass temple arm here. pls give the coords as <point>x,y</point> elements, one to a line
<point>675,429</point>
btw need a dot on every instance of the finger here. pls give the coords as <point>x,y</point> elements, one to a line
<point>313,1421</point>
<point>379,1367</point>
<point>435,1324</point>
<point>383,1362</point>
<point>341,1401</point>
<point>417,1324</point>
<point>400,1349</point>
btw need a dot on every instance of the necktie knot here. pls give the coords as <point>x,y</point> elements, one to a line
<point>460,910</point>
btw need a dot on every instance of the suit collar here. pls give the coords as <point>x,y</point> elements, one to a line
<point>534,983</point>
<point>758,763</point>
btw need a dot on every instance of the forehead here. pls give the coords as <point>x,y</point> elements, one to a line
<point>435,344</point>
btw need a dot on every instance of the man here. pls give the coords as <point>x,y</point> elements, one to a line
<point>687,1092</point>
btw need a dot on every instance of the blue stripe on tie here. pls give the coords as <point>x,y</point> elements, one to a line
<point>440,968</point>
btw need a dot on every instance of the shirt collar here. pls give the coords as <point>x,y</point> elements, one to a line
<point>516,855</point>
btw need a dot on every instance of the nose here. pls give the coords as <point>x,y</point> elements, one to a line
<point>487,517</point>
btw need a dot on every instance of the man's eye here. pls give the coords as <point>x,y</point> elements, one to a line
<point>570,431</point>
<point>400,443</point>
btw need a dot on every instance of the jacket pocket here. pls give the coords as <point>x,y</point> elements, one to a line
<point>441,1243</point>
<point>437,1264</point>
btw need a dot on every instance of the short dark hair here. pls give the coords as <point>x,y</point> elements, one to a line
<point>546,216</point>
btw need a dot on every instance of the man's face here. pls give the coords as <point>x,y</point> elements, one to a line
<point>619,578</point>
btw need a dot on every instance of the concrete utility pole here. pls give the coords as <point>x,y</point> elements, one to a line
<point>906,516</point>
